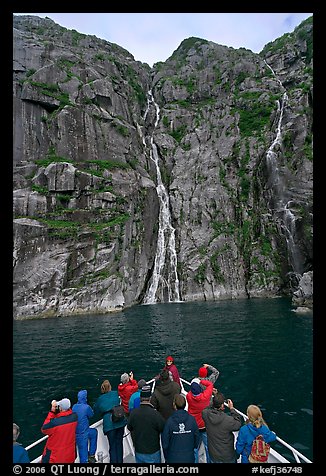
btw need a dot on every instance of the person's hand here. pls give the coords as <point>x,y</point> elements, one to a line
<point>131,375</point>
<point>215,391</point>
<point>230,403</point>
<point>205,365</point>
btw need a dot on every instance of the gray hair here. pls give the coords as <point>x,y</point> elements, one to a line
<point>15,431</point>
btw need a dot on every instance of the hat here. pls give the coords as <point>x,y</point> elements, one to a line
<point>202,372</point>
<point>195,388</point>
<point>145,391</point>
<point>124,378</point>
<point>169,358</point>
<point>64,404</point>
<point>141,383</point>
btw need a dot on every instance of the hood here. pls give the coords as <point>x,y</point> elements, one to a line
<point>254,430</point>
<point>82,396</point>
<point>215,416</point>
<point>179,415</point>
<point>165,388</point>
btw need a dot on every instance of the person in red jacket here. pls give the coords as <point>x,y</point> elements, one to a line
<point>198,399</point>
<point>171,367</point>
<point>60,425</point>
<point>126,388</point>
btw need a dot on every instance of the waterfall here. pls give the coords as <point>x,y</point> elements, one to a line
<point>277,186</point>
<point>164,285</point>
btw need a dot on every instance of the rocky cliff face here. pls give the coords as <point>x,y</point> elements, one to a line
<point>233,135</point>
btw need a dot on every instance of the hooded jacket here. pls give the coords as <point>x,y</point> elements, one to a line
<point>84,412</point>
<point>102,407</point>
<point>180,437</point>
<point>197,403</point>
<point>246,436</point>
<point>61,445</point>
<point>162,397</point>
<point>219,428</point>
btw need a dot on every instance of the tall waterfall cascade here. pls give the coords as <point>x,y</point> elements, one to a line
<point>164,283</point>
<point>282,205</point>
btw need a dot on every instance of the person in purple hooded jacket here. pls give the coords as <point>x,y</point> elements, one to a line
<point>85,434</point>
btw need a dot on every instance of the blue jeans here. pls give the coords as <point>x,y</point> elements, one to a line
<point>148,458</point>
<point>203,438</point>
<point>82,440</point>
<point>115,438</point>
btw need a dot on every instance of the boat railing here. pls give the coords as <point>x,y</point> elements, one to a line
<point>299,457</point>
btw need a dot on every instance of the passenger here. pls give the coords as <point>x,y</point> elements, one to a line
<point>20,454</point>
<point>163,395</point>
<point>113,430</point>
<point>219,428</point>
<point>198,399</point>
<point>180,436</point>
<point>134,400</point>
<point>203,374</point>
<point>126,388</point>
<point>85,434</point>
<point>171,367</point>
<point>60,425</point>
<point>254,426</point>
<point>146,425</point>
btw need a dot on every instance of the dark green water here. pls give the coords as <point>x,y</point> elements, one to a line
<point>262,348</point>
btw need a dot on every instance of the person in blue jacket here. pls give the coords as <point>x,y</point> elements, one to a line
<point>254,426</point>
<point>20,454</point>
<point>134,400</point>
<point>113,430</point>
<point>84,433</point>
<point>180,436</point>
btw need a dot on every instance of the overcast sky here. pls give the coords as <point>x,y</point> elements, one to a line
<point>153,37</point>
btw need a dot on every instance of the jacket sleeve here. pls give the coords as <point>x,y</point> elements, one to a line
<point>154,401</point>
<point>165,438</point>
<point>235,420</point>
<point>134,383</point>
<point>208,390</point>
<point>269,435</point>
<point>240,443</point>
<point>49,417</point>
<point>214,375</point>
<point>197,435</point>
<point>90,412</point>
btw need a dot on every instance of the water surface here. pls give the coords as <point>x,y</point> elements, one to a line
<point>262,349</point>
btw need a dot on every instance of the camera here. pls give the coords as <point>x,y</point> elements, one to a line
<point>130,373</point>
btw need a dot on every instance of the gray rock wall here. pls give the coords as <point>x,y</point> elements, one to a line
<point>85,204</point>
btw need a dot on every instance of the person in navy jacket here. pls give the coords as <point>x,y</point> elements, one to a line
<point>20,454</point>
<point>84,433</point>
<point>180,436</point>
<point>60,425</point>
<point>254,426</point>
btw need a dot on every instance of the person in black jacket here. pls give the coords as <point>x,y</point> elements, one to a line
<point>163,395</point>
<point>146,425</point>
<point>180,436</point>
<point>220,428</point>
